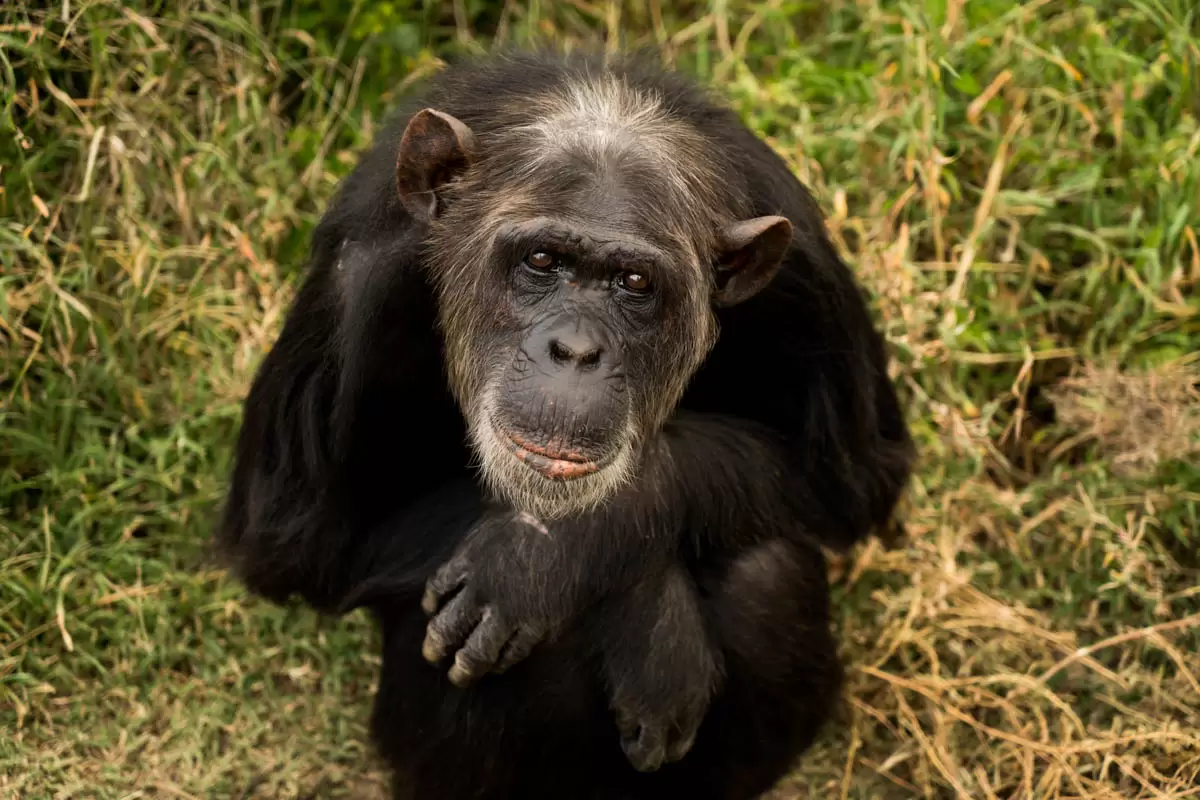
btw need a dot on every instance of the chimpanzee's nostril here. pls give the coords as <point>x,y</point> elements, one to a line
<point>581,352</point>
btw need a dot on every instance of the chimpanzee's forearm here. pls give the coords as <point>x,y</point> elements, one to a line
<point>731,484</point>
<point>707,486</point>
<point>659,664</point>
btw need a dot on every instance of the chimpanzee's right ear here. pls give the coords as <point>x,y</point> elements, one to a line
<point>434,149</point>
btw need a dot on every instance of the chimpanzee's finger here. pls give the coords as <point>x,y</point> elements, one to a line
<point>519,647</point>
<point>482,649</point>
<point>683,736</point>
<point>446,632</point>
<point>449,577</point>
<point>647,750</point>
<point>627,722</point>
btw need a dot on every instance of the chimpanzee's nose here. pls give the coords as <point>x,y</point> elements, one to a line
<point>575,348</point>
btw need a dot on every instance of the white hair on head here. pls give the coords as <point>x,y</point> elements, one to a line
<point>600,116</point>
<point>596,114</point>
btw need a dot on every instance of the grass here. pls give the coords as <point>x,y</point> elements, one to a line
<point>1017,183</point>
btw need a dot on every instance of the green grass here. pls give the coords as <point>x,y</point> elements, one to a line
<point>1018,184</point>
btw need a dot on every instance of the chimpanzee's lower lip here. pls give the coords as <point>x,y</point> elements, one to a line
<point>556,469</point>
<point>558,466</point>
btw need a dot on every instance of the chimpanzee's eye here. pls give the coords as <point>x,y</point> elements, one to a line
<point>634,282</point>
<point>541,261</point>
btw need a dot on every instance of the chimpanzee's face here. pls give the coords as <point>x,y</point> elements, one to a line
<point>586,304</point>
<point>576,293</point>
<point>584,332</point>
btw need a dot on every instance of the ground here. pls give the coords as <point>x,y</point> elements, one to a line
<point>1017,184</point>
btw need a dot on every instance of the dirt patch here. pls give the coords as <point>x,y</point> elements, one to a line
<point>1137,420</point>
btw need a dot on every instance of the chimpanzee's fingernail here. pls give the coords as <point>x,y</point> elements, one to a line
<point>460,675</point>
<point>429,603</point>
<point>433,648</point>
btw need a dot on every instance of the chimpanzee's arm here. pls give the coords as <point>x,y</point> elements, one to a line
<point>660,667</point>
<point>348,421</point>
<point>710,487</point>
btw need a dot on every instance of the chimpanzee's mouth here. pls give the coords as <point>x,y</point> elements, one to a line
<point>550,461</point>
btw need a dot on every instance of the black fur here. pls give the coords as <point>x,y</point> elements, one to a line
<point>701,582</point>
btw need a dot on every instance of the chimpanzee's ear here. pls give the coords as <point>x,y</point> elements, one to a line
<point>434,148</point>
<point>750,252</point>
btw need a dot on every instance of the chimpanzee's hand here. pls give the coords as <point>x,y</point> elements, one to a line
<point>662,672</point>
<point>477,613</point>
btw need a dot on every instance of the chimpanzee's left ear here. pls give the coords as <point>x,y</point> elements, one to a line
<point>750,253</point>
<point>434,149</point>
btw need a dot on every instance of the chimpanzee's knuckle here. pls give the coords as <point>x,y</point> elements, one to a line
<point>439,627</point>
<point>519,647</point>
<point>627,722</point>
<point>456,620</point>
<point>449,576</point>
<point>646,750</point>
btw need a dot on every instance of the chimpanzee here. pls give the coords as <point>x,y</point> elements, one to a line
<point>571,397</point>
